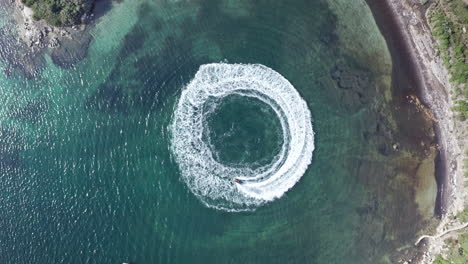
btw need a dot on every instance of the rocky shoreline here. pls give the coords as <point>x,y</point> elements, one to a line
<point>38,34</point>
<point>411,35</point>
<point>32,39</point>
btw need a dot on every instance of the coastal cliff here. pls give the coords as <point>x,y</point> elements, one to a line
<point>431,75</point>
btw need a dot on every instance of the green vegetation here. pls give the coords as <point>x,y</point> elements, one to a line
<point>449,23</point>
<point>465,164</point>
<point>59,12</point>
<point>463,216</point>
<point>440,260</point>
<point>458,251</point>
<point>462,108</point>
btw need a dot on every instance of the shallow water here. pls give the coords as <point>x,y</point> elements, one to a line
<point>86,169</point>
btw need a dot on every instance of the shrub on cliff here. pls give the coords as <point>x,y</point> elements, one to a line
<point>59,12</point>
<point>462,108</point>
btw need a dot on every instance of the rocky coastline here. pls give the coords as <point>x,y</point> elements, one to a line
<point>39,34</point>
<point>411,36</point>
<point>31,39</point>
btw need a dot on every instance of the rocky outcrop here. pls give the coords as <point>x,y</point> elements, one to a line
<point>66,45</point>
<point>355,87</point>
<point>38,34</point>
<point>435,88</point>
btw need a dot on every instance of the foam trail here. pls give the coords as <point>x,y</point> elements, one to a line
<point>213,182</point>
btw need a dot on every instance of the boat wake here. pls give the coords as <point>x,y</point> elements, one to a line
<point>240,188</point>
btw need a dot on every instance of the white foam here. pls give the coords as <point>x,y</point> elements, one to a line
<point>213,182</point>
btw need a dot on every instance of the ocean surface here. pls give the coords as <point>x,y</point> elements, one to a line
<point>88,172</point>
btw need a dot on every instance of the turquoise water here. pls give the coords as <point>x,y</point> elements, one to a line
<point>243,130</point>
<point>87,174</point>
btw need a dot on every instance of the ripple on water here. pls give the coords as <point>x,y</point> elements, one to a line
<point>213,182</point>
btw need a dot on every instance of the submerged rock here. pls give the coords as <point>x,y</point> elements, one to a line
<point>355,86</point>
<point>71,51</point>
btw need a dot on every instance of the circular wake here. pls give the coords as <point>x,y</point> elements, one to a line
<point>240,188</point>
